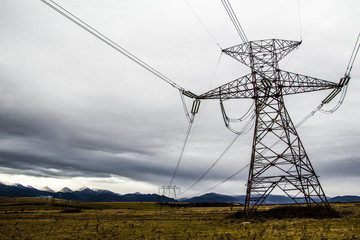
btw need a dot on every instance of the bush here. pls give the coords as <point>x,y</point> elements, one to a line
<point>291,212</point>
<point>72,210</point>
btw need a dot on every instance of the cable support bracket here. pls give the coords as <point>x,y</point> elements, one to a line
<point>189,94</point>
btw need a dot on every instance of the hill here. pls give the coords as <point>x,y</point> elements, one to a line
<point>84,194</point>
<point>98,195</point>
<point>346,198</point>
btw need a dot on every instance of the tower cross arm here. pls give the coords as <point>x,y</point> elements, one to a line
<point>288,83</point>
<point>242,87</point>
<point>293,83</point>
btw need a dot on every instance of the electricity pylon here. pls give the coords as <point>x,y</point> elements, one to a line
<point>170,191</point>
<point>278,158</point>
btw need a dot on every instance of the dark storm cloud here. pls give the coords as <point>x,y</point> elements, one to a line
<point>54,132</point>
<point>37,155</point>
<point>340,168</point>
<point>34,144</point>
<point>89,165</point>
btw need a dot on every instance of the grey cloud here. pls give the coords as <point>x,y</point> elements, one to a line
<point>340,168</point>
<point>70,106</point>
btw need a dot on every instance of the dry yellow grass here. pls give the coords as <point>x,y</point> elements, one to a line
<point>28,218</point>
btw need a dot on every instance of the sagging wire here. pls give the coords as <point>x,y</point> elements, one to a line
<point>213,165</point>
<point>194,110</point>
<point>188,117</point>
<point>203,24</point>
<point>353,56</point>
<point>181,152</point>
<point>249,116</point>
<point>246,128</point>
<point>332,96</point>
<point>227,179</point>
<point>195,107</point>
<point>344,82</point>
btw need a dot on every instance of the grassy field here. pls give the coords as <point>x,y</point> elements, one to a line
<point>34,218</point>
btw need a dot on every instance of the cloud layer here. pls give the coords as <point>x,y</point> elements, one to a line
<point>73,107</point>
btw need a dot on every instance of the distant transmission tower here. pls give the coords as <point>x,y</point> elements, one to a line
<point>170,191</point>
<point>278,158</point>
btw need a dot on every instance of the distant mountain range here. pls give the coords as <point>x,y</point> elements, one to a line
<point>84,194</point>
<point>91,195</point>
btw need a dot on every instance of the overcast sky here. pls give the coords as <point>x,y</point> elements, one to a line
<point>74,112</point>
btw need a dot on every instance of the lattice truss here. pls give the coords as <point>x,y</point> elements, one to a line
<point>278,159</point>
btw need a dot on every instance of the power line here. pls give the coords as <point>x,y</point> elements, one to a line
<point>245,129</point>
<point>194,110</point>
<point>132,57</point>
<point>332,96</point>
<point>343,84</point>
<point>182,151</point>
<point>353,56</point>
<point>300,28</point>
<point>203,24</point>
<point>213,165</point>
<point>234,20</point>
<point>227,179</point>
<point>109,42</point>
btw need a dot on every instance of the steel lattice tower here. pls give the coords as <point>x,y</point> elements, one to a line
<point>278,158</point>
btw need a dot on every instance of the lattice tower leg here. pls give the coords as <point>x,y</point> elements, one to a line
<point>279,160</point>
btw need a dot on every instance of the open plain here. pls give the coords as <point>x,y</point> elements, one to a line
<point>37,218</point>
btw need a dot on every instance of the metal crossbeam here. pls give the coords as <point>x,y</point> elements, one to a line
<point>262,82</point>
<point>261,50</point>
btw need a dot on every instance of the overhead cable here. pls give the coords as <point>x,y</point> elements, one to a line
<point>344,81</point>
<point>299,20</point>
<point>227,179</point>
<point>246,128</point>
<point>109,42</point>
<point>331,96</point>
<point>353,56</point>
<point>234,20</point>
<point>213,165</point>
<point>182,150</point>
<point>189,118</point>
<point>249,115</point>
<point>202,23</point>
